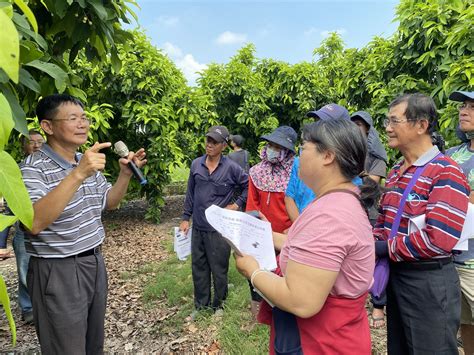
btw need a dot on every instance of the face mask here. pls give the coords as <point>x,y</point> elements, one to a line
<point>272,155</point>
<point>469,135</point>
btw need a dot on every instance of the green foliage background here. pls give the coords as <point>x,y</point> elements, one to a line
<point>134,92</point>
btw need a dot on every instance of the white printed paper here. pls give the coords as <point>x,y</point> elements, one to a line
<point>245,234</point>
<point>182,243</point>
<point>419,223</point>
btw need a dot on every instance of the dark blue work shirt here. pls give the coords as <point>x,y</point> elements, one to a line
<point>206,189</point>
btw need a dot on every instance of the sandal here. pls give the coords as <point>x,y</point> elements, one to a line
<point>377,322</point>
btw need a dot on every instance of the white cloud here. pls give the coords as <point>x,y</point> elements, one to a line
<point>168,21</point>
<point>326,33</point>
<point>228,37</point>
<point>186,62</point>
<point>190,68</point>
<point>172,50</point>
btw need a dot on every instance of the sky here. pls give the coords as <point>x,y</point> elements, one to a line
<point>196,33</point>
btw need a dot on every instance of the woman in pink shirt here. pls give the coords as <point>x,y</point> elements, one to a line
<point>327,260</point>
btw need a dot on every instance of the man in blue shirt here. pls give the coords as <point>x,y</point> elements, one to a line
<point>212,181</point>
<point>298,195</point>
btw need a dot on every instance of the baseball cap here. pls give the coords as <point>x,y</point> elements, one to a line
<point>462,96</point>
<point>218,133</point>
<point>364,116</point>
<point>330,112</point>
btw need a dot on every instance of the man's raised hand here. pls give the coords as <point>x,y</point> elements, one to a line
<point>92,160</point>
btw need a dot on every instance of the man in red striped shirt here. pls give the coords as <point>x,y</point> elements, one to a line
<point>423,293</point>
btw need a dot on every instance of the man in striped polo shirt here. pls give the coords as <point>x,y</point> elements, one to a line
<point>423,293</point>
<point>67,280</point>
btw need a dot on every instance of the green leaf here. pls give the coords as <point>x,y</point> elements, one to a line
<point>19,116</point>
<point>116,62</point>
<point>7,8</point>
<point>14,191</point>
<point>7,221</point>
<point>6,306</point>
<point>28,13</point>
<point>27,79</point>
<point>29,51</point>
<point>59,75</point>
<point>10,53</point>
<point>99,9</point>
<point>6,121</point>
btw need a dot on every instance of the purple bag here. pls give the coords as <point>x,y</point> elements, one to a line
<point>382,269</point>
<point>381,273</point>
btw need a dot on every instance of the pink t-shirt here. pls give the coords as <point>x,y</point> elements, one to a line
<point>333,233</point>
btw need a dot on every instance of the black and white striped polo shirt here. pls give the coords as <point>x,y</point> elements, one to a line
<point>79,227</point>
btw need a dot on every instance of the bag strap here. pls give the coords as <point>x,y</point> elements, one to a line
<point>347,191</point>
<point>419,170</point>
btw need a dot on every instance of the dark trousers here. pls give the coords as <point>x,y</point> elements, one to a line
<point>69,297</point>
<point>379,302</point>
<point>423,310</point>
<point>210,255</point>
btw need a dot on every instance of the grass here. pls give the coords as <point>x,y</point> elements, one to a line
<point>179,173</point>
<point>173,282</point>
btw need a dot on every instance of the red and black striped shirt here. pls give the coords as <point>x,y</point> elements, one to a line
<point>441,194</point>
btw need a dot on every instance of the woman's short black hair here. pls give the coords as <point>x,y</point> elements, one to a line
<point>346,141</point>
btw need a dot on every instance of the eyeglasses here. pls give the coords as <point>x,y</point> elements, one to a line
<point>33,143</point>
<point>393,121</point>
<point>467,105</point>
<point>74,120</point>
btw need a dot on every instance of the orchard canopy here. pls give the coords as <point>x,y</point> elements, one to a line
<point>134,92</point>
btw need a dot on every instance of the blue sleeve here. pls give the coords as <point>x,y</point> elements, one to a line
<point>189,201</point>
<point>292,188</point>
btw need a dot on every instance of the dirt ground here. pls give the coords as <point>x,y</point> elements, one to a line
<point>131,326</point>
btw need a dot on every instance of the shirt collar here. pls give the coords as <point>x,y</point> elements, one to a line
<point>427,157</point>
<point>221,160</point>
<point>63,163</point>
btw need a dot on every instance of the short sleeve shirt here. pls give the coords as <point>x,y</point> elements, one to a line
<point>333,233</point>
<point>79,227</point>
<point>464,156</point>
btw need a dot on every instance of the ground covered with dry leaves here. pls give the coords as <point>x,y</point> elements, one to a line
<point>133,325</point>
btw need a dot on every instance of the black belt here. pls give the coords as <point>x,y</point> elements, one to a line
<point>431,264</point>
<point>93,251</point>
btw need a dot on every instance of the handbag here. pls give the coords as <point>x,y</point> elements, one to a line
<point>382,269</point>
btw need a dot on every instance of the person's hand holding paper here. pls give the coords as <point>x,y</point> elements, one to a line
<point>246,235</point>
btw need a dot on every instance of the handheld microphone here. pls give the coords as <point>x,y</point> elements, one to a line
<point>122,150</point>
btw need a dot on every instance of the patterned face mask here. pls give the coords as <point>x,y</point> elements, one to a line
<point>272,155</point>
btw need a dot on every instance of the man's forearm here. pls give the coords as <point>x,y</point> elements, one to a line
<point>48,208</point>
<point>118,191</point>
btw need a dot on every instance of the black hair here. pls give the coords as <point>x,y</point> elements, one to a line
<point>237,139</point>
<point>24,139</point>
<point>438,140</point>
<point>48,105</point>
<point>346,141</point>
<point>419,107</point>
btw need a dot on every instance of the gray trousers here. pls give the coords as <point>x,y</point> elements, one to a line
<point>69,297</point>
<point>210,255</point>
<point>423,310</point>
